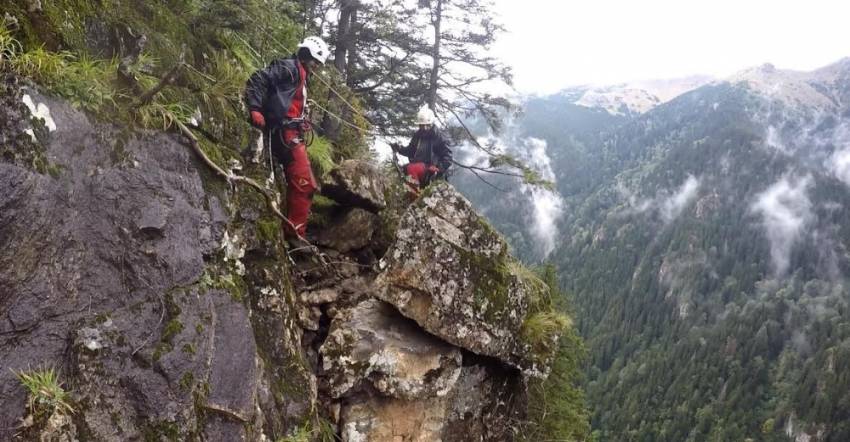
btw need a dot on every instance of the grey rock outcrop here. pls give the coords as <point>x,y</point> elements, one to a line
<point>429,346</point>
<point>450,272</point>
<point>484,404</point>
<point>389,379</point>
<point>351,231</point>
<point>371,343</point>
<point>357,184</point>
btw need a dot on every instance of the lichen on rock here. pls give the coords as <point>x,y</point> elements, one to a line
<point>450,272</point>
<point>23,133</point>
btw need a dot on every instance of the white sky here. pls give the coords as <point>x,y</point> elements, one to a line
<point>556,43</point>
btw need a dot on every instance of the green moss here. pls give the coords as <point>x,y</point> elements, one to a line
<point>223,277</point>
<point>54,170</point>
<point>301,434</point>
<point>321,202</point>
<point>491,232</point>
<point>161,349</point>
<point>187,381</point>
<point>115,418</point>
<point>69,17</point>
<point>281,390</point>
<point>199,328</point>
<point>199,398</point>
<point>397,201</point>
<point>235,286</point>
<point>218,154</point>
<point>428,190</point>
<point>157,431</point>
<point>323,210</point>
<point>189,349</point>
<point>119,153</point>
<point>492,280</point>
<point>268,229</point>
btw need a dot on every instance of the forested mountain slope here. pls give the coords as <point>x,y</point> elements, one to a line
<point>706,245</point>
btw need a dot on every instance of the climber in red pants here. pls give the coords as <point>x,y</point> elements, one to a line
<point>430,156</point>
<point>277,97</point>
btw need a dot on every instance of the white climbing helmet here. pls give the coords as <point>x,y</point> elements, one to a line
<point>317,47</point>
<point>425,115</point>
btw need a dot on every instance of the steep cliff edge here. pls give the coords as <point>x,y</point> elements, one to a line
<point>169,305</point>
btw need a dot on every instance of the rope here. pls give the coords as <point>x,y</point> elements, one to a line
<point>343,120</point>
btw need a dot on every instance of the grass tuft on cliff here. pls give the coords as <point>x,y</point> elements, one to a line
<point>542,330</point>
<point>46,394</point>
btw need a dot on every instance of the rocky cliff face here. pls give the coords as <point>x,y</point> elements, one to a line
<point>167,311</point>
<point>425,344</point>
<point>172,309</point>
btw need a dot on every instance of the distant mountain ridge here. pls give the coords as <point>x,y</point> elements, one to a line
<point>819,89</point>
<point>632,98</point>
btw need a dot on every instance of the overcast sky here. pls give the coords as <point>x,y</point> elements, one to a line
<point>556,43</point>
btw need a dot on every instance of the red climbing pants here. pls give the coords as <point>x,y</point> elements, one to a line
<point>300,182</point>
<point>417,171</point>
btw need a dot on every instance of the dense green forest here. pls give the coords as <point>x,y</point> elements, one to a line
<point>705,243</point>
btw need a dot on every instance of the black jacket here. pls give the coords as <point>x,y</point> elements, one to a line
<point>272,89</point>
<point>428,147</point>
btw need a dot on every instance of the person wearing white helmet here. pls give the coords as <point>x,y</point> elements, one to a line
<point>277,101</point>
<point>429,154</point>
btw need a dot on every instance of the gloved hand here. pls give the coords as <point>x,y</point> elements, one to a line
<point>258,119</point>
<point>433,170</point>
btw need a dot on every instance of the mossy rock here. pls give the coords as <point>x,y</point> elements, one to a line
<point>451,272</point>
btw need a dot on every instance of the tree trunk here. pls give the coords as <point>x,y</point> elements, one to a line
<point>345,47</point>
<point>351,46</point>
<point>436,19</point>
<point>347,8</point>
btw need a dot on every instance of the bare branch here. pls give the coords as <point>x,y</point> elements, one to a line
<point>475,172</point>
<point>271,200</point>
<point>165,81</point>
